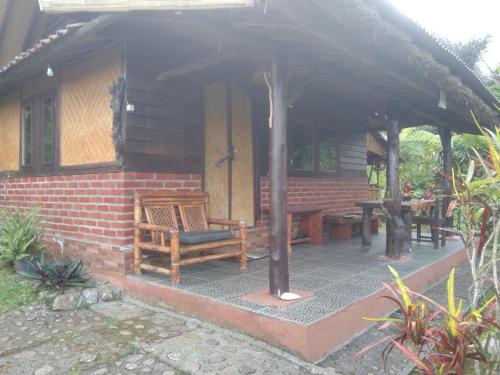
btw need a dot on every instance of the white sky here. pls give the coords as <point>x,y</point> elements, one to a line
<point>459,20</point>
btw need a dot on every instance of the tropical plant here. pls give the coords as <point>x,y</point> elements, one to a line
<point>55,274</point>
<point>476,193</point>
<point>437,339</point>
<point>421,153</point>
<point>463,146</point>
<point>20,235</point>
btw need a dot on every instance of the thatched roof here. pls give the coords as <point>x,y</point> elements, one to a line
<point>61,6</point>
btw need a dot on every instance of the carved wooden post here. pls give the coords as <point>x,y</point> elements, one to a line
<point>445,135</point>
<point>278,260</point>
<point>396,230</point>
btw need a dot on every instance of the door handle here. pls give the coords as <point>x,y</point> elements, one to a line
<point>229,156</point>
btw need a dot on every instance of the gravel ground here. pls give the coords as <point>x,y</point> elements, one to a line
<point>129,337</point>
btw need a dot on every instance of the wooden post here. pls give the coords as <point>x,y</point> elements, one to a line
<point>243,246</point>
<point>445,135</point>
<point>396,230</point>
<point>278,260</point>
<point>175,257</point>
<point>367,227</point>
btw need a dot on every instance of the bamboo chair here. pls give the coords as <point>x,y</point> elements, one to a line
<point>187,242</point>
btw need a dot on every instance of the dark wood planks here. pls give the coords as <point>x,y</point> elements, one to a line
<point>164,131</point>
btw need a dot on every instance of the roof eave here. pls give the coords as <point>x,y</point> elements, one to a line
<point>66,6</point>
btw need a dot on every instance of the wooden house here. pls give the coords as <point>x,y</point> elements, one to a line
<point>255,102</point>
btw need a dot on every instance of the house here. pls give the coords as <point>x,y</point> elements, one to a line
<point>98,102</point>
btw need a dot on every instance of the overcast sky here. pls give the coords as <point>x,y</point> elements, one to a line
<point>459,20</point>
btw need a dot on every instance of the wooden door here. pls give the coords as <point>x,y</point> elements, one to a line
<point>229,169</point>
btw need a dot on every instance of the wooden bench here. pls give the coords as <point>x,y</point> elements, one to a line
<point>342,224</point>
<point>177,225</point>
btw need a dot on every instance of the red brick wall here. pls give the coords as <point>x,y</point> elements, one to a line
<point>336,194</point>
<point>90,207</point>
<point>93,213</point>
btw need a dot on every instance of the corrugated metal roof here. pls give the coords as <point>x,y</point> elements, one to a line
<point>41,45</point>
<point>54,6</point>
<point>432,43</point>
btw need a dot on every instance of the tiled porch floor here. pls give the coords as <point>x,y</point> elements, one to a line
<point>339,273</point>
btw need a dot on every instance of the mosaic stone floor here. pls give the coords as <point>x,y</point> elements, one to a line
<point>338,272</point>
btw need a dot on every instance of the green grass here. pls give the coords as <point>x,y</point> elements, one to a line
<point>14,292</point>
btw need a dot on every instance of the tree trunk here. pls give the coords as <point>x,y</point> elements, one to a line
<point>278,261</point>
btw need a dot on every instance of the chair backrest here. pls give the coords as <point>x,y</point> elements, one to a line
<point>161,214</point>
<point>164,208</point>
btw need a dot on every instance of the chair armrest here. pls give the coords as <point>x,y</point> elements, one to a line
<point>230,223</point>
<point>155,228</point>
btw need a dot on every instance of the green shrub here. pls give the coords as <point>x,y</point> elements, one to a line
<point>55,274</point>
<point>13,291</point>
<point>19,235</point>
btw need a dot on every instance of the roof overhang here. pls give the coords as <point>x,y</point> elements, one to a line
<point>60,6</point>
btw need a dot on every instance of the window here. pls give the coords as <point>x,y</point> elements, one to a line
<point>327,150</point>
<point>302,151</point>
<point>48,128</point>
<point>27,136</point>
<point>312,150</point>
<point>38,133</point>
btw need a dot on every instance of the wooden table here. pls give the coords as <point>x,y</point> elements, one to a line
<point>311,224</point>
<point>406,207</point>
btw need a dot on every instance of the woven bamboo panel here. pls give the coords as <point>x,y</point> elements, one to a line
<point>9,129</point>
<point>216,178</point>
<point>374,146</point>
<point>86,117</point>
<point>16,27</point>
<point>242,205</point>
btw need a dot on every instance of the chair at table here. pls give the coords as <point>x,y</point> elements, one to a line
<point>434,218</point>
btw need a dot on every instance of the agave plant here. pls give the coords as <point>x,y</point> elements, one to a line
<point>439,340</point>
<point>20,235</point>
<point>56,274</point>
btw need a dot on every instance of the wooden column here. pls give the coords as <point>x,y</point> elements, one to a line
<point>396,232</point>
<point>445,135</point>
<point>278,260</point>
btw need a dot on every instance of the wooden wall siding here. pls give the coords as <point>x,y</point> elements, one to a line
<point>216,146</point>
<point>10,132</point>
<point>85,114</point>
<point>374,146</point>
<point>164,132</point>
<point>352,150</point>
<point>16,28</point>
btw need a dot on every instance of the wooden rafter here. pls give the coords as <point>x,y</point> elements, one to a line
<point>312,18</point>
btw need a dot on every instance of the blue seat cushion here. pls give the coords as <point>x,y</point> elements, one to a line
<point>193,238</point>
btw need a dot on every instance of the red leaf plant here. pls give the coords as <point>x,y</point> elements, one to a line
<point>438,340</point>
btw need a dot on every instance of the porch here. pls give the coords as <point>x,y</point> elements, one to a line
<point>342,280</point>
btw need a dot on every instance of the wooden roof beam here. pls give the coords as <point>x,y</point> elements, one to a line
<point>36,63</point>
<point>312,18</point>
